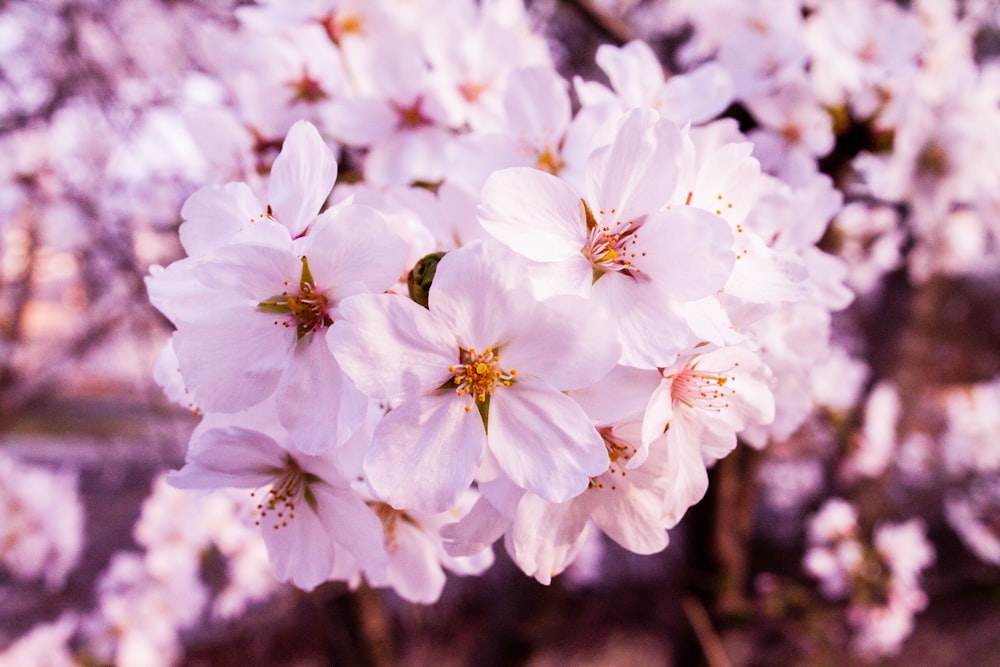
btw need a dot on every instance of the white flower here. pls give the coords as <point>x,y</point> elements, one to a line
<point>615,244</point>
<point>45,645</point>
<point>705,399</point>
<point>484,366</point>
<point>305,506</point>
<point>637,78</point>
<point>252,334</point>
<point>877,441</point>
<point>41,522</point>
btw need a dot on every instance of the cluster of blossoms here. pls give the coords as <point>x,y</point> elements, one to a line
<point>520,321</point>
<point>137,619</point>
<point>41,523</point>
<point>898,103</point>
<point>448,297</point>
<point>880,580</point>
<point>99,158</point>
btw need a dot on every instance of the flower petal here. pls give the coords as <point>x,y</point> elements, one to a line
<point>537,105</point>
<point>563,343</point>
<point>688,252</point>
<point>349,522</point>
<point>317,402</point>
<point>391,347</point>
<point>302,551</point>
<point>651,333</point>
<point>534,213</point>
<point>301,178</point>
<point>686,476</point>
<point>632,513</point>
<point>218,214</point>
<point>659,411</point>
<point>622,392</point>
<point>635,175</point>
<point>425,452</point>
<point>547,536</point>
<point>481,293</point>
<point>352,243</point>
<point>252,270</point>
<point>544,441</point>
<point>228,458</point>
<point>476,531</point>
<point>414,571</point>
<point>233,358</point>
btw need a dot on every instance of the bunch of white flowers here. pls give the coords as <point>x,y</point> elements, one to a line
<point>522,321</point>
<point>41,522</point>
<point>880,578</point>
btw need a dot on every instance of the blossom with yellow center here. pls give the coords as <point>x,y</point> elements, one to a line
<point>426,451</point>
<point>478,374</point>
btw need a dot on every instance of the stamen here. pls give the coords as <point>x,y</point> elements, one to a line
<point>613,249</point>
<point>705,390</point>
<point>479,373</point>
<point>281,499</point>
<point>308,308</point>
<point>619,453</point>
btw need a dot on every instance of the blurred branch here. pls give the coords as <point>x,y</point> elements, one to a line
<point>611,26</point>
<point>11,329</point>
<point>709,640</point>
<point>736,495</point>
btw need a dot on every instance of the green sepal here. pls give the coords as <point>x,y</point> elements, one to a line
<point>307,276</point>
<point>310,498</point>
<point>484,412</point>
<point>276,304</point>
<point>419,280</point>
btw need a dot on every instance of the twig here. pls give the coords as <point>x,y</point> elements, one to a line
<point>612,26</point>
<point>711,644</point>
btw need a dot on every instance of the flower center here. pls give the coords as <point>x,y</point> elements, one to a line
<point>478,373</point>
<point>612,247</point>
<point>619,452</point>
<point>411,116</point>
<point>340,23</point>
<point>705,390</point>
<point>550,161</point>
<point>308,308</point>
<point>390,517</point>
<point>279,503</point>
<point>307,89</point>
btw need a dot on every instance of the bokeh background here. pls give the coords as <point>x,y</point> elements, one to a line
<point>111,115</point>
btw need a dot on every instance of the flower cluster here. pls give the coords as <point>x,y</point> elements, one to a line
<point>41,522</point>
<point>136,619</point>
<point>880,580</point>
<point>461,283</point>
<point>521,321</point>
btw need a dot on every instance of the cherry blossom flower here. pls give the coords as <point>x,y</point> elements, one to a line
<point>482,367</point>
<point>267,302</point>
<point>705,399</point>
<point>637,79</point>
<point>615,245</point>
<point>300,180</point>
<point>41,522</point>
<point>305,506</point>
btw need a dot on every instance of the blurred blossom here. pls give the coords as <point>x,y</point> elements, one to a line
<point>789,484</point>
<point>41,522</point>
<point>970,444</point>
<point>974,519</point>
<point>879,579</point>
<point>876,442</point>
<point>45,645</point>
